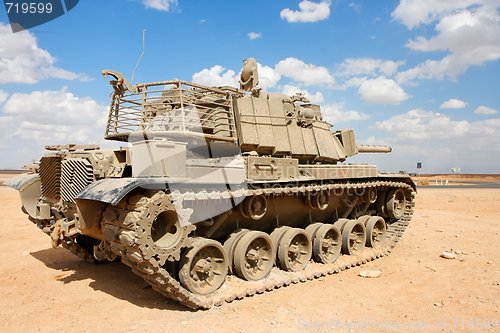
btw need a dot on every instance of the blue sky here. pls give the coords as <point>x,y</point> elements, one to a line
<point>419,75</point>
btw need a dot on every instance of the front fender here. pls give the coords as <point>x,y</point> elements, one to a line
<point>91,203</point>
<point>28,185</point>
<point>22,181</point>
<point>112,190</point>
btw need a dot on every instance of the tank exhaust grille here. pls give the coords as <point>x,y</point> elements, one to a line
<point>50,177</point>
<point>77,173</point>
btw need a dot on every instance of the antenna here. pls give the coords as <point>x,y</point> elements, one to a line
<point>140,57</point>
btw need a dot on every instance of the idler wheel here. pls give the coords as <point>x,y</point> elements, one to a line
<point>203,267</point>
<point>294,250</point>
<point>353,237</point>
<point>375,232</point>
<point>254,256</point>
<point>327,243</point>
<point>396,202</point>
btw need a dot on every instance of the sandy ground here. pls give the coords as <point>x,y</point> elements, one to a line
<point>50,290</point>
<point>6,175</point>
<point>456,178</point>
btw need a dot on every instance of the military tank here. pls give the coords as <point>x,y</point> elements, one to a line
<point>220,192</point>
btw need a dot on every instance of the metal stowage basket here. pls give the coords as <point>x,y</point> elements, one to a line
<point>173,108</point>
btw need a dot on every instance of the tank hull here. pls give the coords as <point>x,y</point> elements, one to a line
<point>150,223</point>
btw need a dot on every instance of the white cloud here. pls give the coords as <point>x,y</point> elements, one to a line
<point>442,142</point>
<point>22,61</point>
<point>301,72</point>
<point>382,91</point>
<point>419,124</point>
<point>308,12</point>
<point>268,77</point>
<point>335,113</point>
<point>216,76</point>
<point>254,35</point>
<point>413,13</point>
<point>485,110</point>
<point>316,98</point>
<point>3,96</point>
<point>291,68</point>
<point>163,5</point>
<point>367,66</point>
<point>30,121</point>
<point>220,76</point>
<point>352,82</point>
<point>453,104</point>
<point>470,35</point>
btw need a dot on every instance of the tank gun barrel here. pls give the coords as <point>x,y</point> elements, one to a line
<point>374,149</point>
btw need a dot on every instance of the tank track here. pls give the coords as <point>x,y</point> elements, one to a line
<point>79,251</point>
<point>69,243</point>
<point>234,288</point>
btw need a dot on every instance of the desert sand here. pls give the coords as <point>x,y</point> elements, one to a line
<point>50,290</point>
<point>453,179</point>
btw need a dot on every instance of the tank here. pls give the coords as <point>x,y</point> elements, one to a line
<point>218,193</point>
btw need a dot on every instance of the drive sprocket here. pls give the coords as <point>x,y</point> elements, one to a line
<point>163,228</point>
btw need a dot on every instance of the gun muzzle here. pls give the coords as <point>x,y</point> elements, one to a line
<point>374,149</point>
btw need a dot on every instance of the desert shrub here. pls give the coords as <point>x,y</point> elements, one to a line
<point>423,182</point>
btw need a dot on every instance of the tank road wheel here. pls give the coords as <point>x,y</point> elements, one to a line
<point>254,256</point>
<point>255,207</point>
<point>276,236</point>
<point>312,228</point>
<point>294,250</point>
<point>327,243</point>
<point>203,268</point>
<point>375,231</point>
<point>353,237</point>
<point>396,202</point>
<point>340,223</point>
<point>364,219</point>
<point>230,245</point>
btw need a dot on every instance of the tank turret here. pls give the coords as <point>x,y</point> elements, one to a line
<point>270,124</point>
